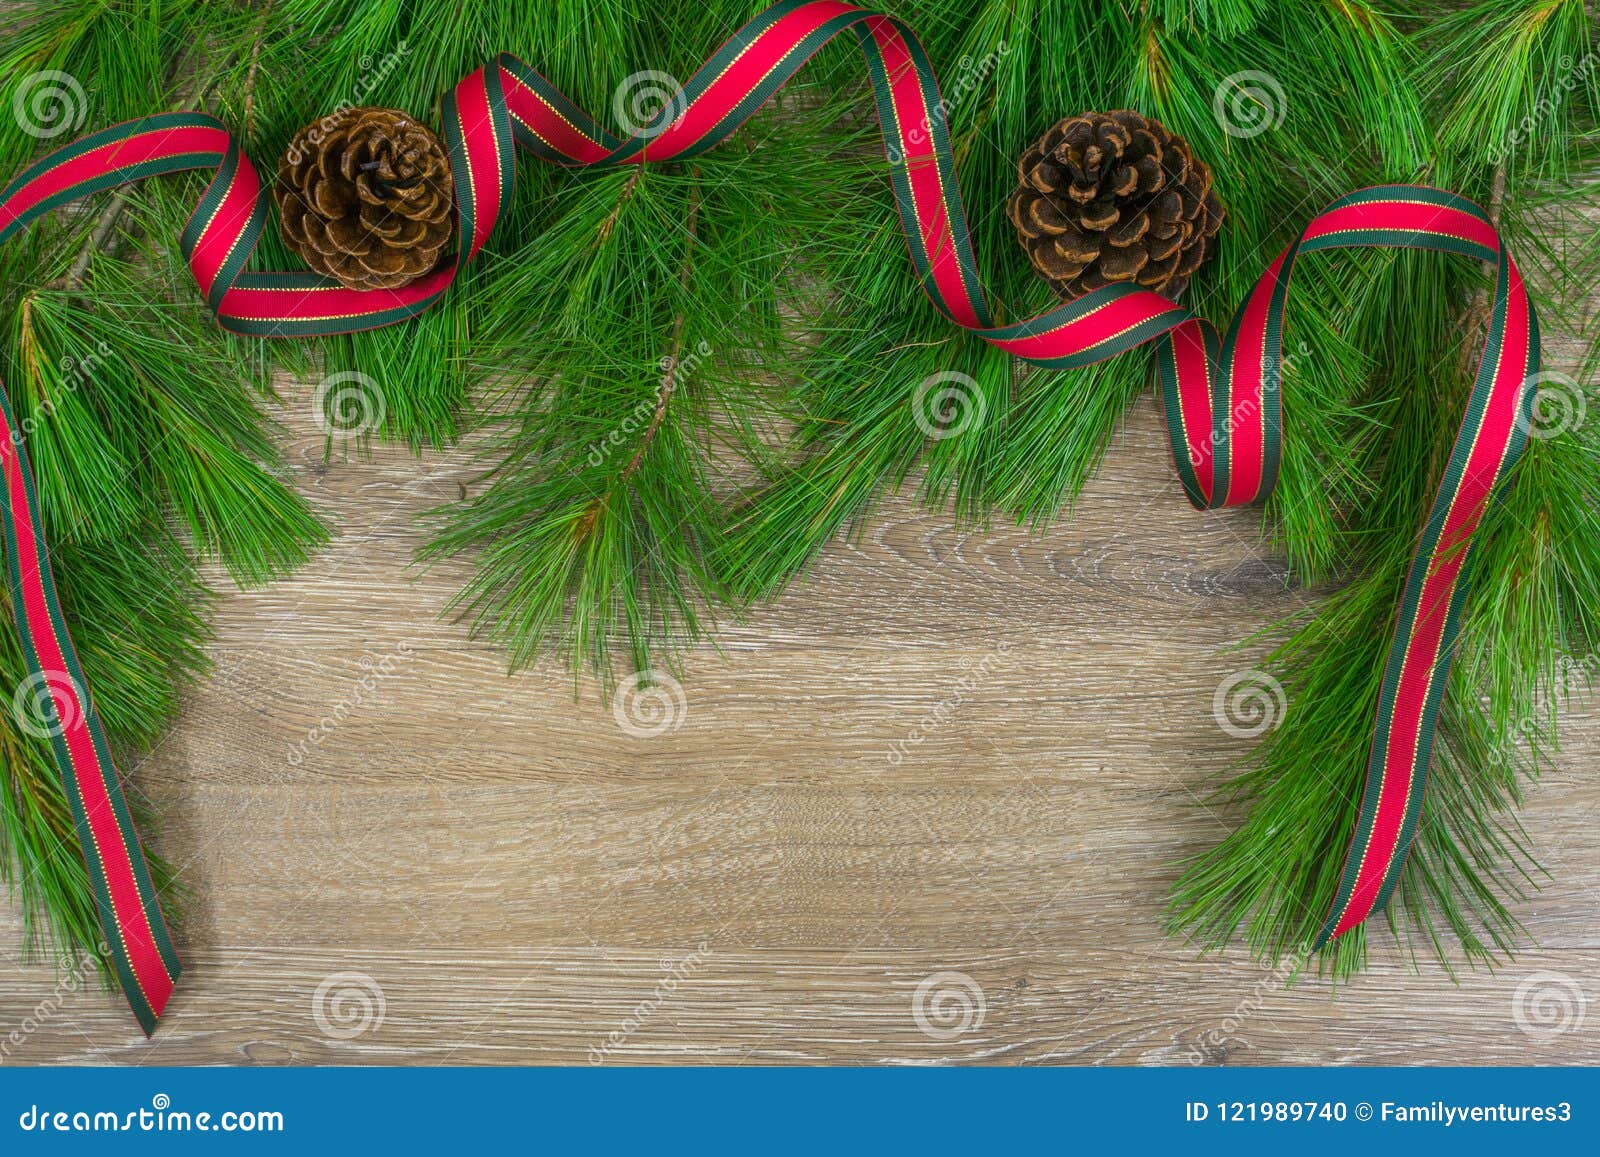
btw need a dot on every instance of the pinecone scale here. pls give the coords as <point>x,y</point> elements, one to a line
<point>366,197</point>
<point>1114,197</point>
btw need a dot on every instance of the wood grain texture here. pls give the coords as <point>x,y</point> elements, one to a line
<point>943,752</point>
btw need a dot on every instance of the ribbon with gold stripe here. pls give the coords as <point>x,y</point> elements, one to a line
<point>1221,394</point>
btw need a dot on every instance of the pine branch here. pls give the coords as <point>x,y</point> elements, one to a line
<point>670,364</point>
<point>623,197</point>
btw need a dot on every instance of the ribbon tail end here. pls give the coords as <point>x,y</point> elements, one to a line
<point>148,1012</point>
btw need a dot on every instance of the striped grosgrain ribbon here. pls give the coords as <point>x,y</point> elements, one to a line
<point>1221,394</point>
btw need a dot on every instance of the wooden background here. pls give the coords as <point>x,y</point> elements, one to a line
<point>960,764</point>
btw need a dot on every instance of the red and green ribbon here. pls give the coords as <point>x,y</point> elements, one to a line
<point>1221,394</point>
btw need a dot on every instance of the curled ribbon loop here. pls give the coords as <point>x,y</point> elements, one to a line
<point>1221,396</point>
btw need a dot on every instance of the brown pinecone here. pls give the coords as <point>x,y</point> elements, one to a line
<point>364,196</point>
<point>1114,197</point>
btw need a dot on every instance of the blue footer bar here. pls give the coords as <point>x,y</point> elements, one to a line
<point>751,1110</point>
